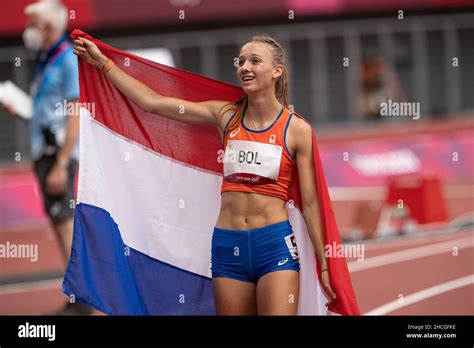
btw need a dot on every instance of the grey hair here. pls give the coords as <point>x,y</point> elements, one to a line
<point>53,12</point>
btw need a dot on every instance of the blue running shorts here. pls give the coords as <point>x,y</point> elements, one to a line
<point>247,255</point>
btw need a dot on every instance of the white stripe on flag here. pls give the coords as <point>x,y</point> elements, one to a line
<point>312,300</point>
<point>155,201</point>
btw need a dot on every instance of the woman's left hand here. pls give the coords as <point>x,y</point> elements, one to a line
<point>327,286</point>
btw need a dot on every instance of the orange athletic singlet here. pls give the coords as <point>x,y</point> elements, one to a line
<point>258,161</point>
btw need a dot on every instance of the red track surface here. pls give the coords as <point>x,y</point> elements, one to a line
<point>382,284</point>
<point>374,286</point>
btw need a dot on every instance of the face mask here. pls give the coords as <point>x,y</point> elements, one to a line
<point>33,39</point>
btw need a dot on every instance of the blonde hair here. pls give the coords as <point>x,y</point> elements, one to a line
<point>50,11</point>
<point>279,57</point>
<point>281,85</point>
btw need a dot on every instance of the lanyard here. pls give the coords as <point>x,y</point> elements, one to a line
<point>39,77</point>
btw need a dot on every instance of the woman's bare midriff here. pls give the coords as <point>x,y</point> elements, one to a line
<point>246,211</point>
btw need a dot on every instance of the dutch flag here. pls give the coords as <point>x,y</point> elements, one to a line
<point>149,196</point>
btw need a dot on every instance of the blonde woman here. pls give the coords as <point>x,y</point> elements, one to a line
<point>255,264</point>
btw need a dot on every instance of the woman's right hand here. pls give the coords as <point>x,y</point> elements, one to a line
<point>90,52</point>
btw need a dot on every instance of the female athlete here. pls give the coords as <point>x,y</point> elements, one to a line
<point>255,264</point>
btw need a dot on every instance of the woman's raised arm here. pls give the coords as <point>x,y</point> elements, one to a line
<point>146,98</point>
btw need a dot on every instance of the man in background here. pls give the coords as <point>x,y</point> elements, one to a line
<point>54,132</point>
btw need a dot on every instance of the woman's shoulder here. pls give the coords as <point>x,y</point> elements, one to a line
<point>225,112</point>
<point>299,133</point>
<point>299,126</point>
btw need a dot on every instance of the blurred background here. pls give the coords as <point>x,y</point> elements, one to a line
<point>402,184</point>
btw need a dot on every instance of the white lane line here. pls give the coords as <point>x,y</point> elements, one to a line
<point>413,239</point>
<point>411,254</point>
<point>422,295</point>
<point>17,288</point>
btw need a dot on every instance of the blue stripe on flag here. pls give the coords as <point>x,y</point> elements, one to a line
<point>104,273</point>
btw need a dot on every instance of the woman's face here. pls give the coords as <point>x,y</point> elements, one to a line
<point>256,71</point>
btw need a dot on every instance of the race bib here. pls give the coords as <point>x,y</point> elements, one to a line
<point>252,162</point>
